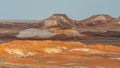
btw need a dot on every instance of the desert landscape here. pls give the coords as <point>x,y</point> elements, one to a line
<point>60,42</point>
<point>61,27</point>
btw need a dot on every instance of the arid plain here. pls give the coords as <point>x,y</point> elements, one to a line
<point>61,42</point>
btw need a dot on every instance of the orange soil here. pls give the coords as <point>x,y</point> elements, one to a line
<point>61,53</point>
<point>21,60</point>
<point>42,46</point>
<point>105,47</point>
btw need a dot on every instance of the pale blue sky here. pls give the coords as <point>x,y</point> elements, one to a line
<point>41,9</point>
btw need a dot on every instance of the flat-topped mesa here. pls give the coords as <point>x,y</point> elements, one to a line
<point>58,20</point>
<point>59,16</point>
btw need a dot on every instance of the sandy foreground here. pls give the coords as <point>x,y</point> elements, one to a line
<point>58,54</point>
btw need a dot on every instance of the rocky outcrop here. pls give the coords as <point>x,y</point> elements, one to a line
<point>33,33</point>
<point>97,19</point>
<point>29,33</point>
<point>58,21</point>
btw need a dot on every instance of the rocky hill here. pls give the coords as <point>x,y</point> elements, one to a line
<point>63,28</point>
<point>59,20</point>
<point>102,22</point>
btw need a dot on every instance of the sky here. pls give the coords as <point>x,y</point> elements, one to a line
<point>41,9</point>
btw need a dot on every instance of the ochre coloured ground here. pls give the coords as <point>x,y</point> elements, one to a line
<point>60,53</point>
